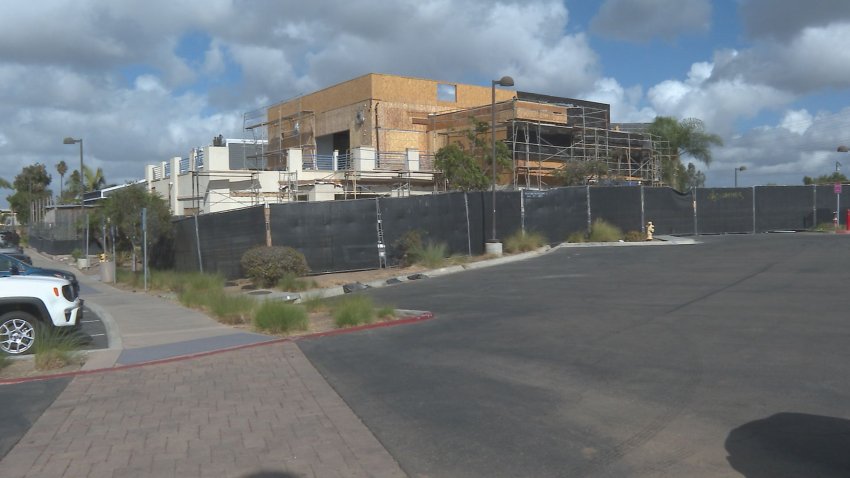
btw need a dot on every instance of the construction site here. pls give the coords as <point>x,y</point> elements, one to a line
<point>392,116</point>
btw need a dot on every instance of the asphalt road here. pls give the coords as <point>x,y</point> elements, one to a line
<point>728,358</point>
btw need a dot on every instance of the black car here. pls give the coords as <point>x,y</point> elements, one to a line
<point>10,266</point>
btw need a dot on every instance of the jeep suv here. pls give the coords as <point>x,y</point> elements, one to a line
<point>28,303</point>
<point>12,266</point>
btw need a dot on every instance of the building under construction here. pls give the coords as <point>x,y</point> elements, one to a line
<point>377,136</point>
<point>393,115</point>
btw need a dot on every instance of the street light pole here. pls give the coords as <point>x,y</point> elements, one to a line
<point>739,168</point>
<point>503,81</point>
<point>70,140</point>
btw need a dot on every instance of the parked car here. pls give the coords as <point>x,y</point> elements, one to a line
<point>11,266</point>
<point>28,303</point>
<point>8,247</point>
<point>10,236</point>
<point>21,257</point>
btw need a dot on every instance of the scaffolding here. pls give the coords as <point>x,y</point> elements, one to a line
<point>275,132</point>
<point>545,139</point>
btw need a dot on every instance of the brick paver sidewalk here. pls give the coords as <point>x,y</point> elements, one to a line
<point>225,415</point>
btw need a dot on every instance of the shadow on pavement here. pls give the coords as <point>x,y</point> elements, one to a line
<point>791,445</point>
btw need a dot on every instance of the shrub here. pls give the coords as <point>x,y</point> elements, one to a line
<point>354,310</point>
<point>279,317</point>
<point>825,227</point>
<point>292,283</point>
<point>634,236</point>
<point>524,241</point>
<point>77,253</point>
<point>577,236</point>
<point>231,309</point>
<point>385,312</point>
<point>55,348</point>
<point>267,265</point>
<point>603,231</point>
<point>429,255</point>
<point>409,241</point>
<point>313,304</point>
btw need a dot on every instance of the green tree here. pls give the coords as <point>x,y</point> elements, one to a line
<point>577,173</point>
<point>30,185</point>
<point>695,177</point>
<point>94,180</point>
<point>683,138</point>
<point>5,184</point>
<point>833,178</point>
<point>61,168</point>
<point>123,208</point>
<point>468,166</point>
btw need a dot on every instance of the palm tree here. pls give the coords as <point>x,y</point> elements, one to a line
<point>94,180</point>
<point>61,168</point>
<point>685,138</point>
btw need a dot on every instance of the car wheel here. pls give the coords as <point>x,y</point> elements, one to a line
<point>17,332</point>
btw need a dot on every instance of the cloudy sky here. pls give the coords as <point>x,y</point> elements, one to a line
<point>142,81</point>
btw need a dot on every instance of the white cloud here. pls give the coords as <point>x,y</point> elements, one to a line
<point>796,121</point>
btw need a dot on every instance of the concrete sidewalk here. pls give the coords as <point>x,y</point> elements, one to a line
<point>240,413</point>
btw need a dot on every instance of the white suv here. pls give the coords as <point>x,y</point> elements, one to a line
<point>30,302</point>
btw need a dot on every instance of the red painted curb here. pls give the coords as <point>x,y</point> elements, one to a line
<point>389,323</point>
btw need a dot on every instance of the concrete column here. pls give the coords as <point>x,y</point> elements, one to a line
<point>412,159</point>
<point>174,185</point>
<point>363,159</point>
<point>294,160</point>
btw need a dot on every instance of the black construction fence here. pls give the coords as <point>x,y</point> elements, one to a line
<point>338,236</point>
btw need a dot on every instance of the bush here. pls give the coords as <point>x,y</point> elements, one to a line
<point>603,231</point>
<point>429,255</point>
<point>634,236</point>
<point>410,241</point>
<point>524,242</point>
<point>55,348</point>
<point>354,310</point>
<point>279,317</point>
<point>292,283</point>
<point>77,254</point>
<point>577,236</point>
<point>267,265</point>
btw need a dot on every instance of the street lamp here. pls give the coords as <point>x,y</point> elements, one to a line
<point>739,168</point>
<point>504,81</point>
<point>70,140</point>
<point>840,149</point>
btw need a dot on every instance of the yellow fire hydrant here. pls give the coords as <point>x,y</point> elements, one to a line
<point>650,229</point>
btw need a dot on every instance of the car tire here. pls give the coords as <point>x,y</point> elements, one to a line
<point>17,332</point>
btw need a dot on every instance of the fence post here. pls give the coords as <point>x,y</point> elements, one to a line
<point>468,231</point>
<point>814,206</point>
<point>589,217</point>
<point>522,211</point>
<point>198,244</point>
<point>694,204</point>
<point>642,211</point>
<point>754,209</point>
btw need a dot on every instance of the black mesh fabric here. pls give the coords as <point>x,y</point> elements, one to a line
<point>670,211</point>
<point>556,213</point>
<point>619,206</point>
<point>724,210</point>
<point>780,208</point>
<point>332,235</point>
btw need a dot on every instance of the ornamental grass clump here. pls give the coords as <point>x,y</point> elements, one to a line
<point>55,348</point>
<point>268,265</point>
<point>354,310</point>
<point>280,318</point>
<point>524,241</point>
<point>604,231</point>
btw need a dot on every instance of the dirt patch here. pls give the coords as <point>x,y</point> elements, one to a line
<point>25,368</point>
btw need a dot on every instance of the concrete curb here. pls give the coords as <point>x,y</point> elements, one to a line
<point>418,316</point>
